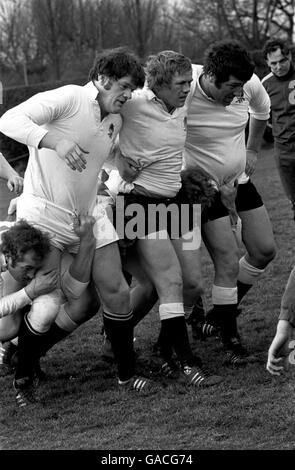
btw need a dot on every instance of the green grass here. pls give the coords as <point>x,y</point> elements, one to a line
<point>82,408</point>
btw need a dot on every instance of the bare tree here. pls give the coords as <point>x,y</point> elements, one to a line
<point>54,28</point>
<point>140,17</point>
<point>18,46</point>
<point>249,21</point>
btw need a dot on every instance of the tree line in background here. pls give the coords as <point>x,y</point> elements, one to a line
<point>44,40</point>
<point>48,43</point>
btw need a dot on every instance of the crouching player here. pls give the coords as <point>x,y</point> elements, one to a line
<point>25,248</point>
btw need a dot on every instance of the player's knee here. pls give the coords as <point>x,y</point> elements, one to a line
<point>44,310</point>
<point>266,254</point>
<point>193,286</point>
<point>227,261</point>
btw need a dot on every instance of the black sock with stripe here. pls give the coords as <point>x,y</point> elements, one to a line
<point>29,346</point>
<point>174,336</point>
<point>119,330</point>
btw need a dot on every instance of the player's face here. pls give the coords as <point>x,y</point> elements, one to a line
<point>175,94</point>
<point>279,63</point>
<point>116,93</point>
<point>225,92</point>
<point>24,270</point>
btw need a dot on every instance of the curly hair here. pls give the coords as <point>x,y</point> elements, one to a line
<point>117,63</point>
<point>273,44</point>
<point>21,238</point>
<point>198,187</point>
<point>228,57</point>
<point>161,68</point>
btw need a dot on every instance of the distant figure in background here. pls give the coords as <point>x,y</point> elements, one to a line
<point>280,86</point>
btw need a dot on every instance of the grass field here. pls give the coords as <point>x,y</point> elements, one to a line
<point>82,408</point>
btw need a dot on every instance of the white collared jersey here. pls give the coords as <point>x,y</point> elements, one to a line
<point>216,133</point>
<point>154,139</point>
<point>71,112</point>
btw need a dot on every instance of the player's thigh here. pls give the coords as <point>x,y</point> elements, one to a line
<point>53,260</point>
<point>190,262</point>
<point>107,269</point>
<point>132,264</point>
<point>257,232</point>
<point>159,260</point>
<point>85,307</point>
<point>219,239</point>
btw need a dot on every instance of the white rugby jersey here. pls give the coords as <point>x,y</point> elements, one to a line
<point>215,133</point>
<point>72,112</point>
<point>154,139</point>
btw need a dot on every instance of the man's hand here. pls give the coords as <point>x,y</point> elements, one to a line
<point>83,227</point>
<point>279,351</point>
<point>11,211</point>
<point>15,183</point>
<point>127,167</point>
<point>42,284</point>
<point>251,159</point>
<point>72,154</point>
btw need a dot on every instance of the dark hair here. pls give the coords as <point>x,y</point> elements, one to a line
<point>228,57</point>
<point>117,63</point>
<point>273,44</point>
<point>21,238</point>
<point>161,68</point>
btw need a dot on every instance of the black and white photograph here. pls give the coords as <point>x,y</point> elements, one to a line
<point>147,230</point>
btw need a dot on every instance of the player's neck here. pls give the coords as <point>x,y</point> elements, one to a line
<point>205,85</point>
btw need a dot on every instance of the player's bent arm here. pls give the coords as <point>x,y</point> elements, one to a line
<point>256,130</point>
<point>76,279</point>
<point>9,304</point>
<point>24,122</point>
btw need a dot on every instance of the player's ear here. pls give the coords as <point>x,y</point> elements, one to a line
<point>106,82</point>
<point>212,78</point>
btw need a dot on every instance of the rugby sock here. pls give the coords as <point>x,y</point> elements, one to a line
<point>173,334</point>
<point>119,330</point>
<point>248,275</point>
<point>224,310</point>
<point>225,317</point>
<point>29,344</point>
<point>242,291</point>
<point>51,337</point>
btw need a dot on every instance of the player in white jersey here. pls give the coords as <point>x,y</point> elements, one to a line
<point>152,137</point>
<point>70,132</point>
<point>224,90</point>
